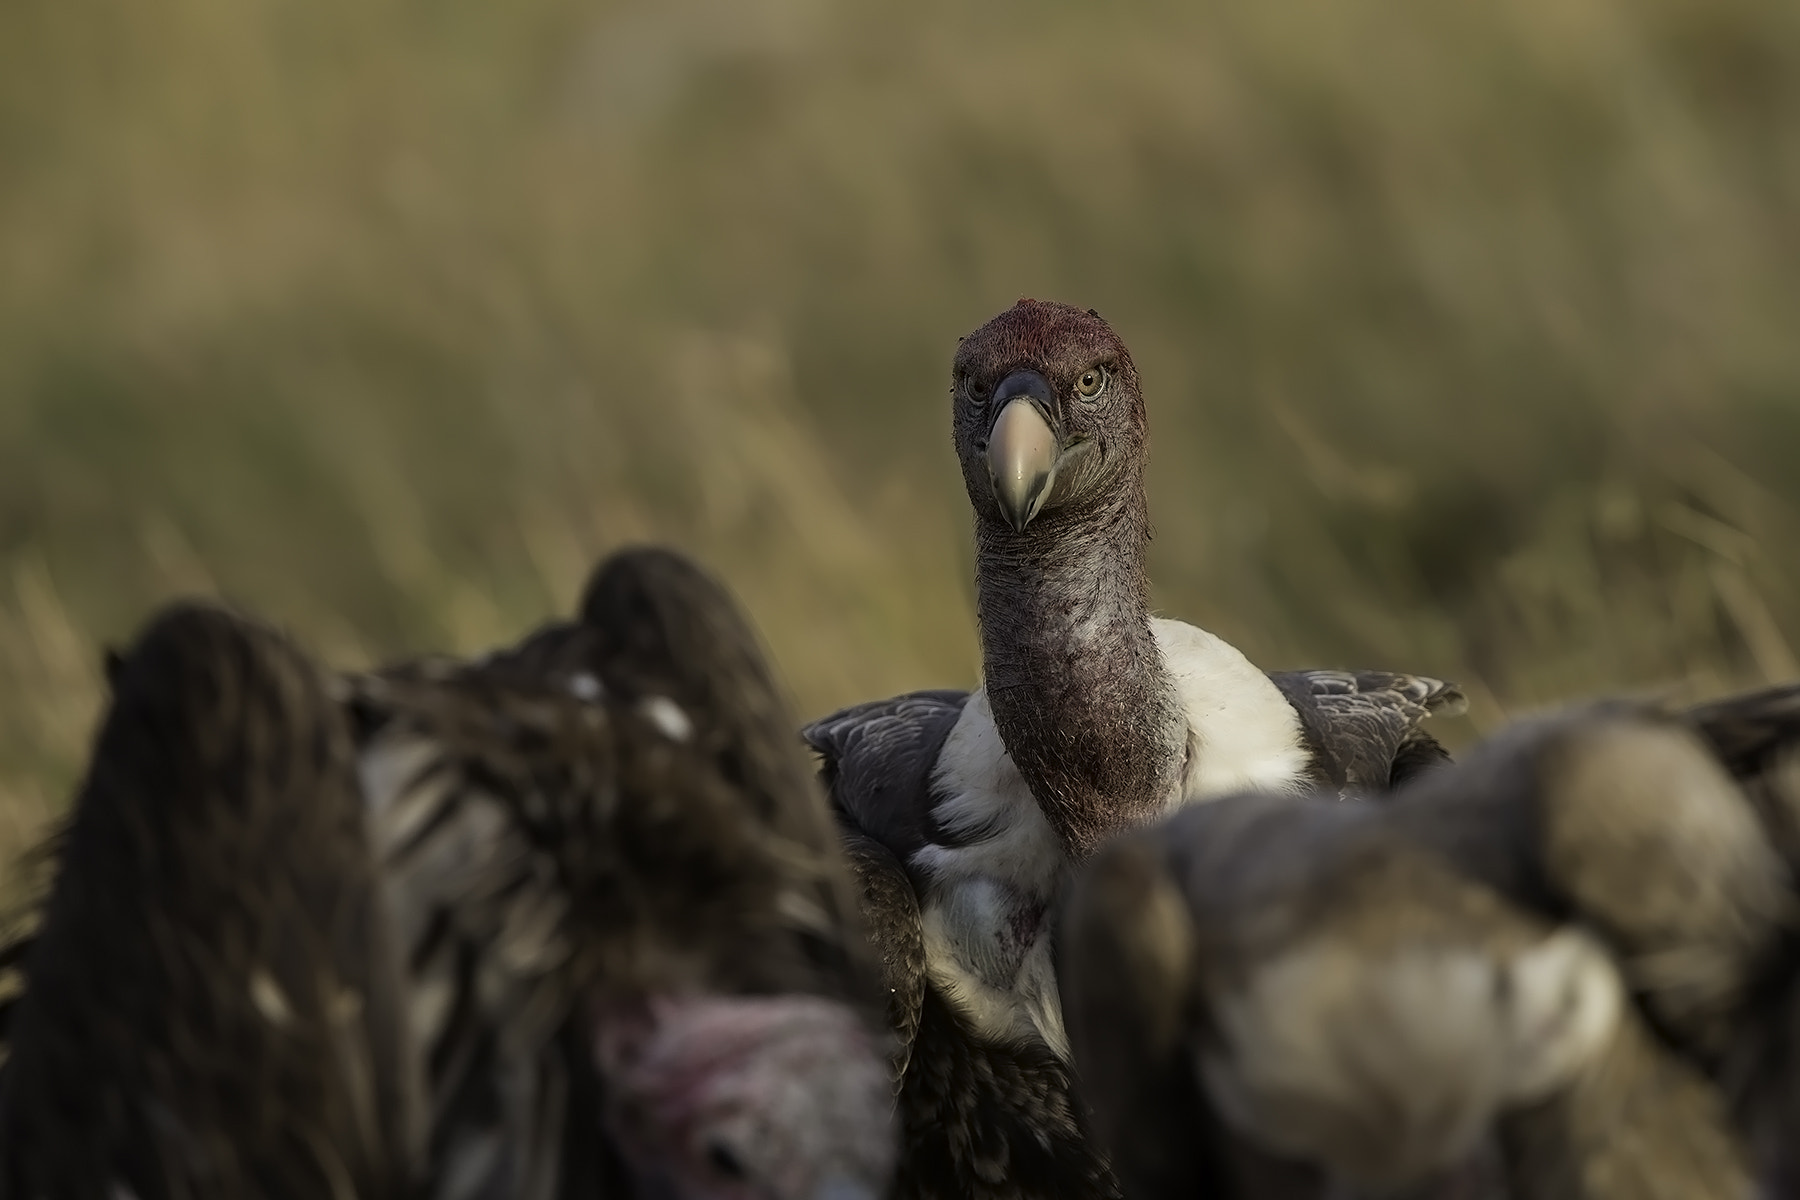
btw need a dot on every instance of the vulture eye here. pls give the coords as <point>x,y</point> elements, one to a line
<point>977,390</point>
<point>1091,383</point>
<point>725,1161</point>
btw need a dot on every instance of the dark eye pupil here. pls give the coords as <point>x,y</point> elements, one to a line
<point>724,1161</point>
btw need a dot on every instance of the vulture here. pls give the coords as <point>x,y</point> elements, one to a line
<point>1564,967</point>
<point>213,1003</point>
<point>965,811</point>
<point>570,920</point>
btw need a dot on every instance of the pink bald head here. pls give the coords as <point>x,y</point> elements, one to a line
<point>748,1098</point>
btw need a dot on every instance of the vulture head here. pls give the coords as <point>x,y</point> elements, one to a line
<point>752,1071</point>
<point>1048,416</point>
<point>747,1098</point>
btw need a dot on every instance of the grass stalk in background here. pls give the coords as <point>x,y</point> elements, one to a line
<point>1468,330</point>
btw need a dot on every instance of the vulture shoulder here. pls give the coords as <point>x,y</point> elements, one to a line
<point>1242,734</point>
<point>878,759</point>
<point>927,777</point>
<point>1365,728</point>
<point>1274,731</point>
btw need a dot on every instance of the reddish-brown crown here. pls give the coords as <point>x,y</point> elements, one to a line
<point>1055,339</point>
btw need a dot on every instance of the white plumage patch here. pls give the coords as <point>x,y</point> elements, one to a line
<point>1026,1008</point>
<point>271,1002</point>
<point>985,935</point>
<point>1246,736</point>
<point>988,801</point>
<point>668,717</point>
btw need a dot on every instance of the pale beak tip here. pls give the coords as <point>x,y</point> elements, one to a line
<point>1022,452</point>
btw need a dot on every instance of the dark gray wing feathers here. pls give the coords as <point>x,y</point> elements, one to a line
<point>876,762</point>
<point>1363,727</point>
<point>877,759</point>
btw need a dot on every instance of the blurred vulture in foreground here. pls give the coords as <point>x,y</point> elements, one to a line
<point>1575,950</point>
<point>213,1005</point>
<point>569,921</point>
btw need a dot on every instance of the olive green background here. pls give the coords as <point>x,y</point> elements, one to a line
<point>1471,332</point>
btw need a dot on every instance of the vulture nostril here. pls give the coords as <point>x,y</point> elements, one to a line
<point>723,1159</point>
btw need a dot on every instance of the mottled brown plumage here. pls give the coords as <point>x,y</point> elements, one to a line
<point>659,892</point>
<point>213,1000</point>
<point>1279,977</point>
<point>606,939</point>
<point>1619,813</point>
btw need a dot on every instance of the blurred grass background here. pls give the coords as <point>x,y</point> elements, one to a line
<point>1471,332</point>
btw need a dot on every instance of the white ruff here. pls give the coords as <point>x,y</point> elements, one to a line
<point>985,906</point>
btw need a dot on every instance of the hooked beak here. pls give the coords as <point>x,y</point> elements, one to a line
<point>1022,447</point>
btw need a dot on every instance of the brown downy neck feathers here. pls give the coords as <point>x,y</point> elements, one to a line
<point>1080,692</point>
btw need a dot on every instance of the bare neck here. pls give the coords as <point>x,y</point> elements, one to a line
<point>1081,695</point>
